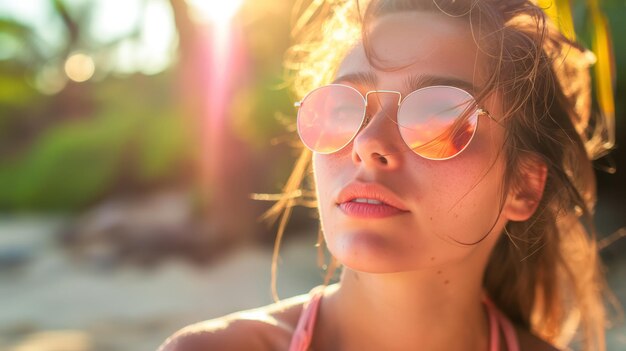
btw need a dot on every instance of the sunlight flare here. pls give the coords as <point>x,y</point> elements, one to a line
<point>215,11</point>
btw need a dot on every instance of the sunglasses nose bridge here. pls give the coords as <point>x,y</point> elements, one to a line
<point>383,92</point>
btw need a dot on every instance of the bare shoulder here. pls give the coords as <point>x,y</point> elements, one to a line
<point>266,328</point>
<point>531,342</point>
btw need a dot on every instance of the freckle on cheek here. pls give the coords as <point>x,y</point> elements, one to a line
<point>446,282</point>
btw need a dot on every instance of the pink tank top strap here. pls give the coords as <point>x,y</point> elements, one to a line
<point>498,319</point>
<point>509,332</point>
<point>494,331</point>
<point>302,336</point>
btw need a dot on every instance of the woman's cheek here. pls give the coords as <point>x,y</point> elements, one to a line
<point>323,174</point>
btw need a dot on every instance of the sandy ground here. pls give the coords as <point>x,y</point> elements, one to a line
<point>50,302</point>
<point>53,303</point>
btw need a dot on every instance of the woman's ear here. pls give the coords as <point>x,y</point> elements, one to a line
<point>527,189</point>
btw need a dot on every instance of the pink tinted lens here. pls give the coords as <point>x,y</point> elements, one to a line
<point>329,117</point>
<point>438,122</point>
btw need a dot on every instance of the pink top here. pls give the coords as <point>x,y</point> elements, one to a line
<point>301,339</point>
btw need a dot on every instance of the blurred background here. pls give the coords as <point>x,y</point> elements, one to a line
<point>132,133</point>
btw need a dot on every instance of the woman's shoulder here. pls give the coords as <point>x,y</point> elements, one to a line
<point>266,328</point>
<point>531,342</point>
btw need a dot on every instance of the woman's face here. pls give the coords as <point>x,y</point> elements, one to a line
<point>445,202</point>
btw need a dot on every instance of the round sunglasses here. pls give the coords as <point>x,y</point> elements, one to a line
<point>436,122</point>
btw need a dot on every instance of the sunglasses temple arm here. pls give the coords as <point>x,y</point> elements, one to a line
<point>486,113</point>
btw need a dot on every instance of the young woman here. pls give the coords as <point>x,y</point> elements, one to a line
<point>450,148</point>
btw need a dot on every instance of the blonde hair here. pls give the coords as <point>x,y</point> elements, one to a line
<point>545,272</point>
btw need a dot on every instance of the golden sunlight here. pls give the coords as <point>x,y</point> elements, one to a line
<point>215,11</point>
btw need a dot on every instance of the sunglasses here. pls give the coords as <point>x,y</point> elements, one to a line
<point>436,122</point>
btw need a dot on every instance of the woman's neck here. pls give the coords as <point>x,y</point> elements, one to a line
<point>430,309</point>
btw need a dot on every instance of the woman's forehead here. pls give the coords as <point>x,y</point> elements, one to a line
<point>427,43</point>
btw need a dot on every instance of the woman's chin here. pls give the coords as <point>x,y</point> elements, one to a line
<point>371,252</point>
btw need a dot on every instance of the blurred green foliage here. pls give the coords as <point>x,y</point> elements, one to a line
<point>66,145</point>
<point>76,161</point>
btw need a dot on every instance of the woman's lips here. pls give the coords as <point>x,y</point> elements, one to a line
<point>369,200</point>
<point>367,210</point>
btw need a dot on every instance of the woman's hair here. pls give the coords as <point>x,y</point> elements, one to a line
<point>544,273</point>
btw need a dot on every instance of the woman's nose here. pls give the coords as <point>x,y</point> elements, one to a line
<point>379,143</point>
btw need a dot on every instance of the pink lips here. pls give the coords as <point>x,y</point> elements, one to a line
<point>386,203</point>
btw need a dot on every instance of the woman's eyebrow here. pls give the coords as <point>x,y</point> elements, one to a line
<point>358,78</point>
<point>412,82</point>
<point>418,81</point>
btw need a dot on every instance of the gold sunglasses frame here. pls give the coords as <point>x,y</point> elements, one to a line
<point>364,120</point>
